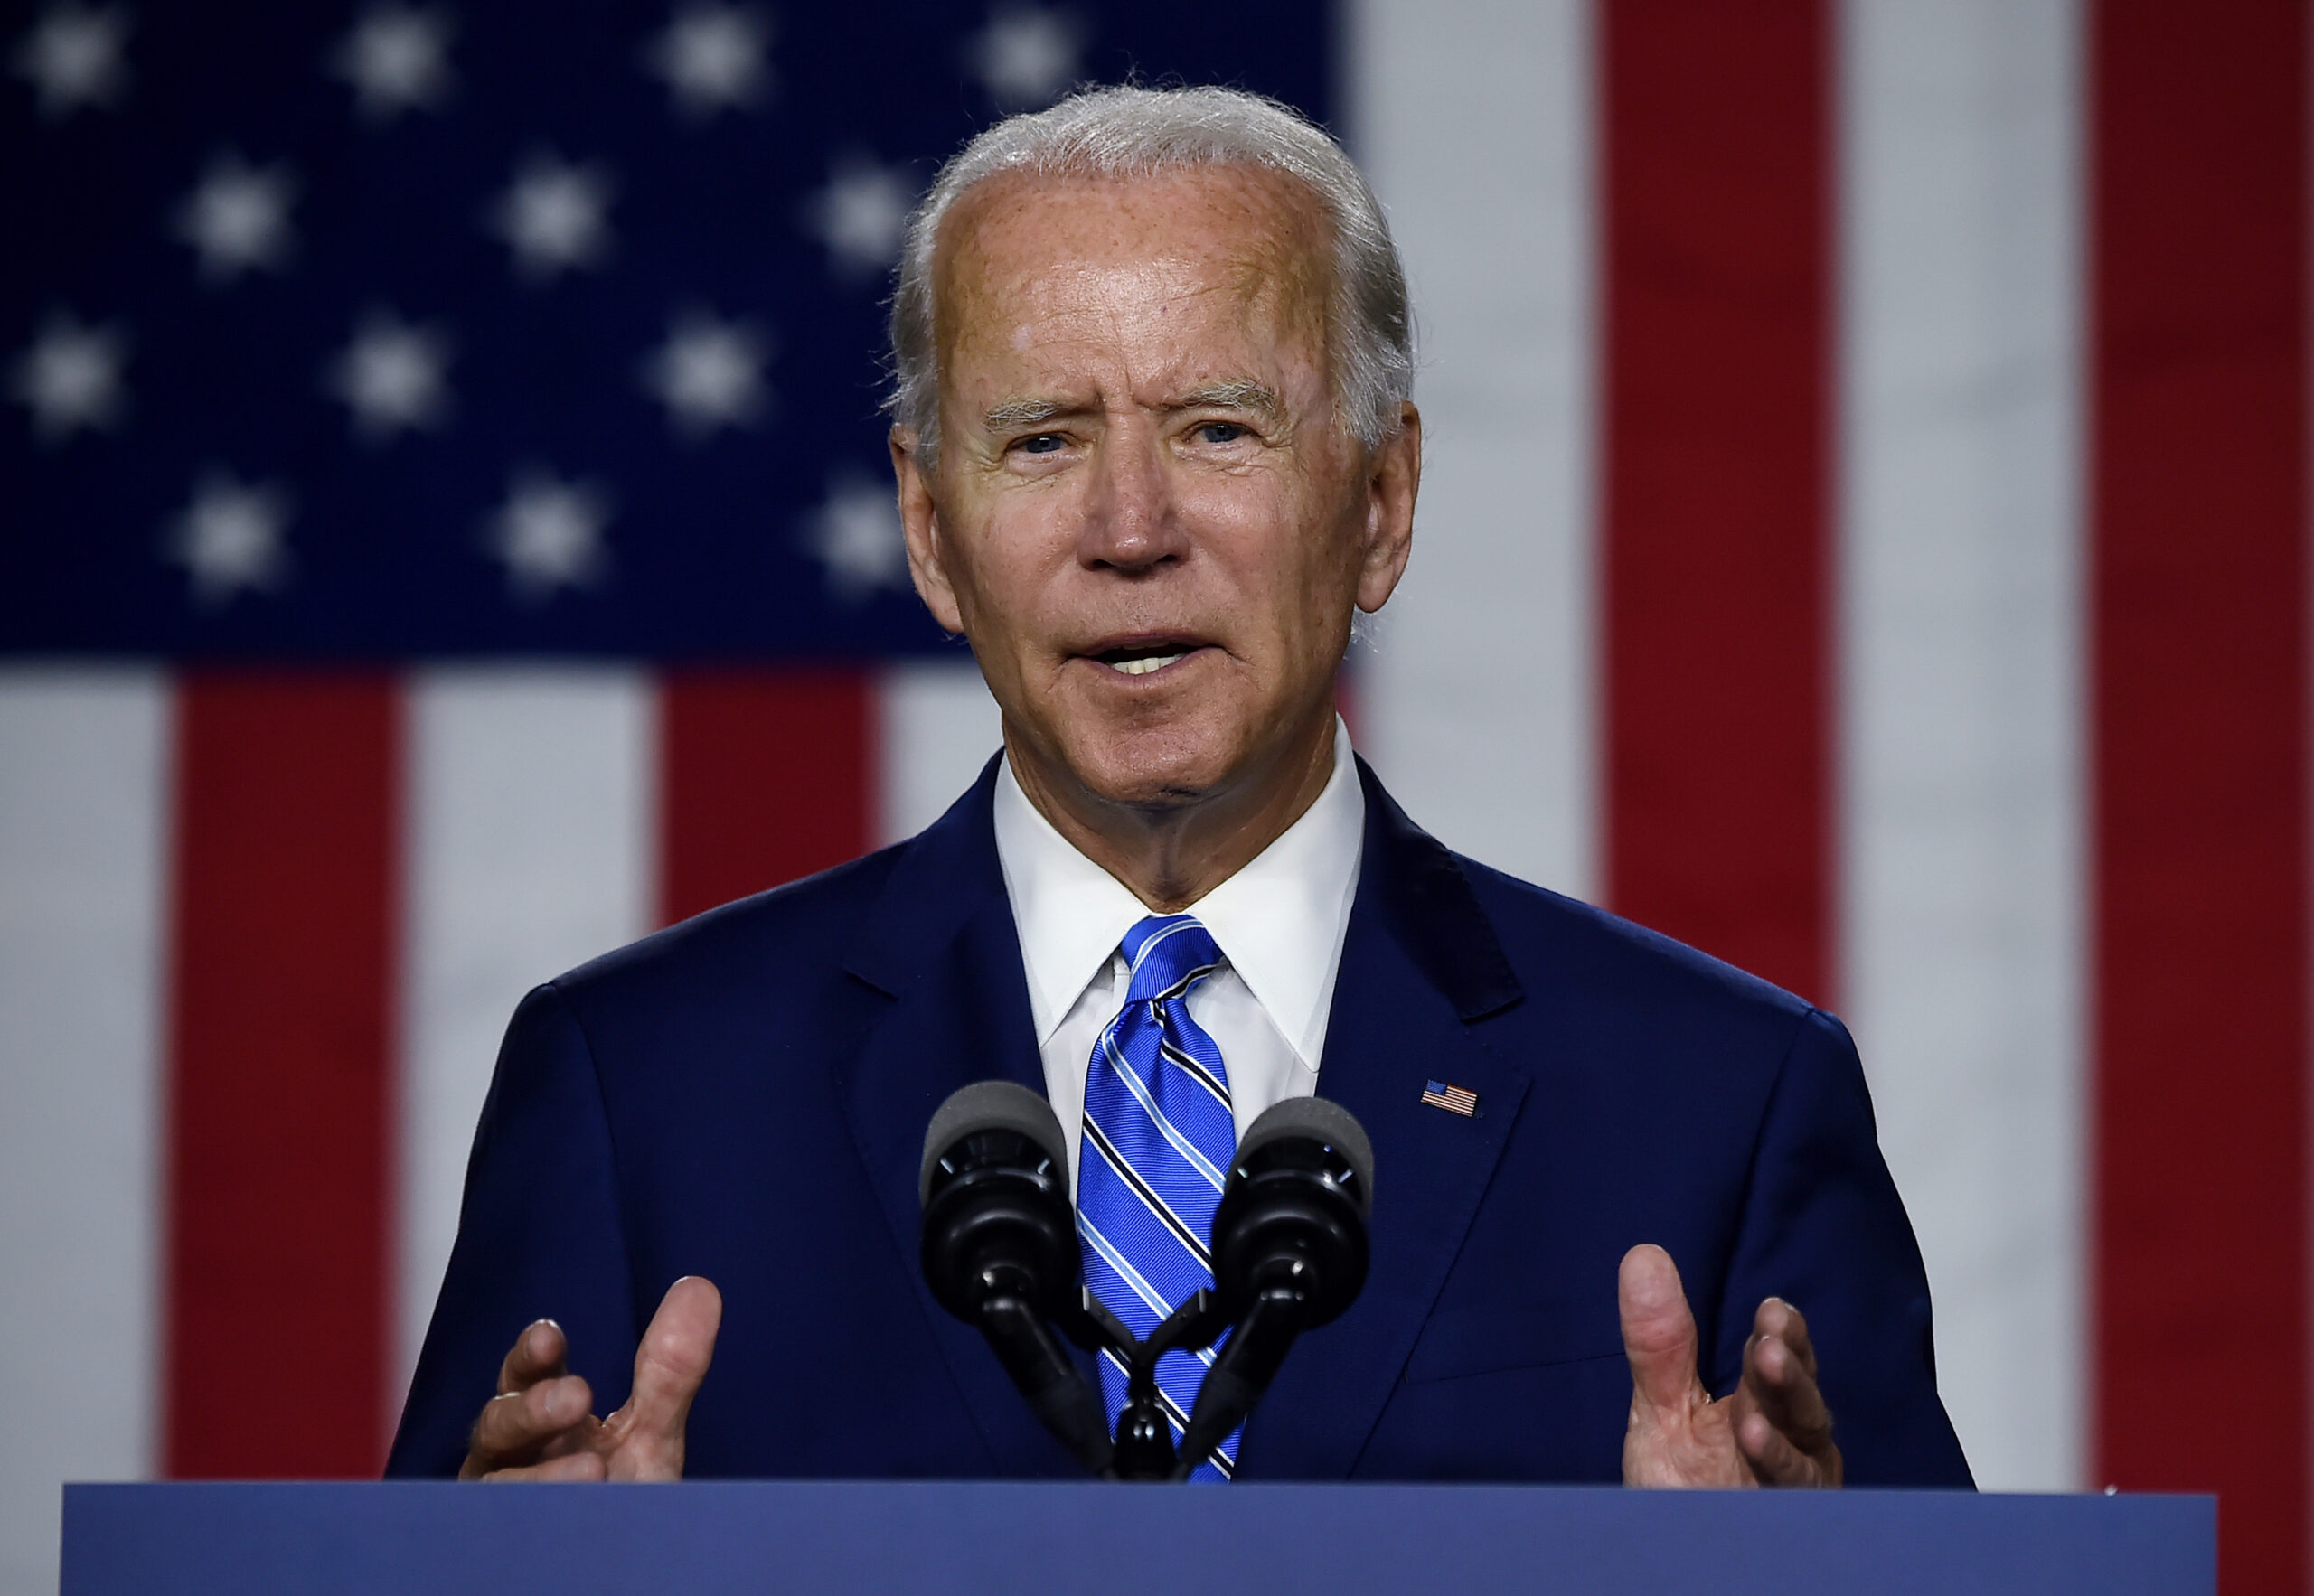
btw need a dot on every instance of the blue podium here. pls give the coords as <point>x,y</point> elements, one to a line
<point>809,1537</point>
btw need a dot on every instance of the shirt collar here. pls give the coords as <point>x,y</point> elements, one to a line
<point>1279,921</point>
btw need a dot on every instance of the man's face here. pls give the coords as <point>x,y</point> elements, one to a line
<point>1147,517</point>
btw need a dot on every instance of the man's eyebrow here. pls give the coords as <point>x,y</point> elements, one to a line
<point>1242,394</point>
<point>1239,393</point>
<point>1023,412</point>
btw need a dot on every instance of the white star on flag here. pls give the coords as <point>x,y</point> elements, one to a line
<point>860,215</point>
<point>1025,56</point>
<point>552,216</point>
<point>391,377</point>
<point>550,534</point>
<point>69,378</point>
<point>72,58</point>
<point>238,219</point>
<point>230,538</point>
<point>708,373</point>
<point>856,534</point>
<point>711,57</point>
<point>398,59</point>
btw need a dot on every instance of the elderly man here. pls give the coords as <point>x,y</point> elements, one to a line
<point>1155,446</point>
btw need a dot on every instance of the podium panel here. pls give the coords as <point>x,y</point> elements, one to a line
<point>967,1538</point>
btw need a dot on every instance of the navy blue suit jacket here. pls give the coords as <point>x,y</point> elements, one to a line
<point>743,1096</point>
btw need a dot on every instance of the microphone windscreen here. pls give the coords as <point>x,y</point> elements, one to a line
<point>990,1106</point>
<point>1317,1119</point>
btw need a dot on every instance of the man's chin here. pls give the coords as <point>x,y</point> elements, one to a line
<point>1150,772</point>
<point>1151,791</point>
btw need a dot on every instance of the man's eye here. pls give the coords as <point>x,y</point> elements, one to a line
<point>1219,432</point>
<point>1043,442</point>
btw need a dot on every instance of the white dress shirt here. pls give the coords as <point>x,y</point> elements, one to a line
<point>1279,923</point>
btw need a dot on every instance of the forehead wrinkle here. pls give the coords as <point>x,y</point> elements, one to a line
<point>1155,376</point>
<point>1278,271</point>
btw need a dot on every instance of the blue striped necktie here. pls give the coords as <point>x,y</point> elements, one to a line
<point>1158,1141</point>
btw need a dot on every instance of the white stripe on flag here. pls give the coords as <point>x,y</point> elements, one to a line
<point>83,865</point>
<point>1962,726</point>
<point>1473,120</point>
<point>938,725</point>
<point>531,845</point>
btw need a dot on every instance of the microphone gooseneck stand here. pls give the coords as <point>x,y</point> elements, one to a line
<point>1289,1253</point>
<point>1000,1250</point>
<point>999,1253</point>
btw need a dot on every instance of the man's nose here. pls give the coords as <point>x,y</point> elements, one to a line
<point>1131,523</point>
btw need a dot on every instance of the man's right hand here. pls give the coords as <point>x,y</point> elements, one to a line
<point>540,1426</point>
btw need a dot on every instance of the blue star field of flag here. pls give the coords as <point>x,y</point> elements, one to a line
<point>364,332</point>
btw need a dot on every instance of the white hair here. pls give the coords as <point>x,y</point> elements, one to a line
<point>1133,132</point>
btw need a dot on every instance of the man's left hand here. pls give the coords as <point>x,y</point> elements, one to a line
<point>1772,1429</point>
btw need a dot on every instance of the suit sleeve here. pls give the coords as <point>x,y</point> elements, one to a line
<point>1823,1228</point>
<point>539,1237</point>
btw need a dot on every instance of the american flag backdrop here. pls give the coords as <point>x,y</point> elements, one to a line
<point>443,533</point>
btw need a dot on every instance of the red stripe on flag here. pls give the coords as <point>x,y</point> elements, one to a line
<point>1715,570</point>
<point>282,1034</point>
<point>767,775</point>
<point>2199,655</point>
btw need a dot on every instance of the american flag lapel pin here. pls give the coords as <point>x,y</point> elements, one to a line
<point>1454,1100</point>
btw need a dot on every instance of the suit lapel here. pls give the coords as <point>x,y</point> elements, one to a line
<point>1420,966</point>
<point>941,948</point>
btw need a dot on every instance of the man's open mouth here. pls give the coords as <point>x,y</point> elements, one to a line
<point>1141,658</point>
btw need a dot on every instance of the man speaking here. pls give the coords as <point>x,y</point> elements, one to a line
<point>1155,447</point>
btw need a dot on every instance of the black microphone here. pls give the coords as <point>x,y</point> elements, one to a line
<point>999,1248</point>
<point>1289,1253</point>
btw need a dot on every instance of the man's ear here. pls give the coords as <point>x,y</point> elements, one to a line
<point>920,524</point>
<point>1392,477</point>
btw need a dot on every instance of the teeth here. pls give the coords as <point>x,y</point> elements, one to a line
<point>1144,667</point>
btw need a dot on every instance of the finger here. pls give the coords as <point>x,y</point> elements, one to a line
<point>1787,1394</point>
<point>1780,1396</point>
<point>669,1365</point>
<point>516,1427</point>
<point>1772,1457</point>
<point>576,1468</point>
<point>675,1353</point>
<point>537,1355</point>
<point>1659,1331</point>
<point>1781,1319</point>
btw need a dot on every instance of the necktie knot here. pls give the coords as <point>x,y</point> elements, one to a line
<point>1167,956</point>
